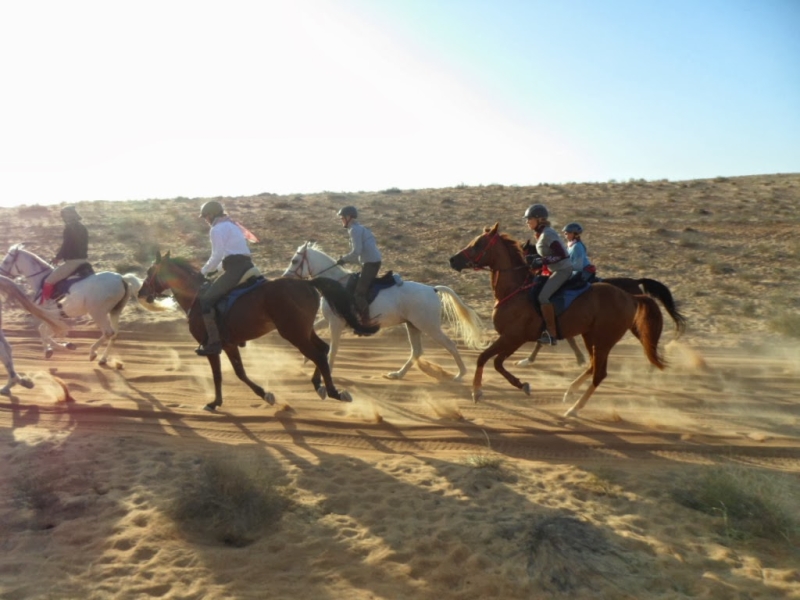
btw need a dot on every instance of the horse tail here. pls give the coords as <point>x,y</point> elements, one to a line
<point>49,316</point>
<point>467,322</point>
<point>134,284</point>
<point>342,304</point>
<point>647,326</point>
<point>125,297</point>
<point>660,292</point>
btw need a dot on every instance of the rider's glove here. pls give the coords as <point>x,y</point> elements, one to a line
<point>340,261</point>
<point>534,262</point>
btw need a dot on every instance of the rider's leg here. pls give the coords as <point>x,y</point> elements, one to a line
<point>213,344</point>
<point>368,273</point>
<point>555,281</point>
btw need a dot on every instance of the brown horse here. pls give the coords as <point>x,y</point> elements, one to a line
<point>601,316</point>
<point>288,305</point>
<point>651,287</point>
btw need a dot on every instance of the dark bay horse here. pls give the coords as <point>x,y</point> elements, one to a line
<point>288,305</point>
<point>651,287</point>
<point>601,316</point>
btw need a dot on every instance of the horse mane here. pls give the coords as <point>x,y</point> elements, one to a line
<point>514,248</point>
<point>185,265</point>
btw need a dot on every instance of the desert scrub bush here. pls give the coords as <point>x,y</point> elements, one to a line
<point>748,503</point>
<point>230,500</point>
<point>787,323</point>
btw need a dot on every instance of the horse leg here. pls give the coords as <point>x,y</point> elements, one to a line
<point>493,349</point>
<point>108,334</point>
<point>599,370</point>
<point>49,344</point>
<point>531,357</point>
<point>235,358</point>
<point>336,326</point>
<point>578,354</point>
<point>415,340</point>
<point>216,370</point>
<point>509,348</point>
<point>439,336</point>
<point>5,356</point>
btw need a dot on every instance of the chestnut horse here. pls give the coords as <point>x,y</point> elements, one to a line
<point>288,305</point>
<point>651,287</point>
<point>601,315</point>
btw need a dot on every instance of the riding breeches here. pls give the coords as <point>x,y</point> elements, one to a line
<point>235,266</point>
<point>555,281</point>
<point>64,270</point>
<point>368,273</point>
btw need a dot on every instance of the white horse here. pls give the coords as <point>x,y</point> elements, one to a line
<point>102,296</point>
<point>12,291</point>
<point>416,305</point>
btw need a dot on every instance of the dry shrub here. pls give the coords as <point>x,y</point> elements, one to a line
<point>227,500</point>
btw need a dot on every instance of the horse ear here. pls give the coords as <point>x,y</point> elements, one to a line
<point>158,256</point>
<point>494,229</point>
<point>167,254</point>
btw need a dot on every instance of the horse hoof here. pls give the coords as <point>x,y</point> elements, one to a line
<point>5,392</point>
<point>393,375</point>
<point>345,397</point>
<point>323,393</point>
<point>571,413</point>
<point>211,407</point>
<point>269,398</point>
<point>71,346</point>
<point>48,353</point>
<point>476,395</point>
<point>26,383</point>
<point>523,363</point>
<point>526,387</point>
<point>102,361</point>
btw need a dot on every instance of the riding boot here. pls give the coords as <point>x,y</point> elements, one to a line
<point>213,344</point>
<point>47,291</point>
<point>549,334</point>
<point>362,306</point>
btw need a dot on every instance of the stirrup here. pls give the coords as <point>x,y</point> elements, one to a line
<point>546,340</point>
<point>209,349</point>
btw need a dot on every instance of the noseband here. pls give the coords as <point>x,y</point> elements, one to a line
<point>473,262</point>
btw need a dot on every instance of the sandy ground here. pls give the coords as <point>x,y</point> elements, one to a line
<point>410,491</point>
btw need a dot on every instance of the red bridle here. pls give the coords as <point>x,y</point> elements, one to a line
<point>473,262</point>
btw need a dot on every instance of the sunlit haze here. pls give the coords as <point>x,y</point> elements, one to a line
<point>158,99</point>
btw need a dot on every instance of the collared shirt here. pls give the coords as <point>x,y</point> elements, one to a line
<point>363,247</point>
<point>226,239</point>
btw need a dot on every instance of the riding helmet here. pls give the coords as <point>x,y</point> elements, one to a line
<point>536,211</point>
<point>70,213</point>
<point>348,211</point>
<point>211,209</point>
<point>573,228</point>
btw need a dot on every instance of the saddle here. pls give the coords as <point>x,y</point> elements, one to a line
<point>385,281</point>
<point>564,296</point>
<point>251,280</point>
<point>62,288</point>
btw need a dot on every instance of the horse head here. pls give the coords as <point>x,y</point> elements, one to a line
<point>153,285</point>
<point>19,261</point>
<point>477,254</point>
<point>308,262</point>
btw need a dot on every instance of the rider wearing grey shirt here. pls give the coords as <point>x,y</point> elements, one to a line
<point>363,251</point>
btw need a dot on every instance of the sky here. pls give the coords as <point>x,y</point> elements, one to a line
<point>109,100</point>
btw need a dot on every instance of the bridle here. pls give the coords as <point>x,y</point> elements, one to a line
<point>298,270</point>
<point>14,254</point>
<point>472,263</point>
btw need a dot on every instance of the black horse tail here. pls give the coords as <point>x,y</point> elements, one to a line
<point>342,304</point>
<point>660,292</point>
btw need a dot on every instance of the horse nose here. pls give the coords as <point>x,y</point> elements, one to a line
<point>455,263</point>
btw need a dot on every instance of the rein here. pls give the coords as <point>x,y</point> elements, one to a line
<point>298,271</point>
<point>473,262</point>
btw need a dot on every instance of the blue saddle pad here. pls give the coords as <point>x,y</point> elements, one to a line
<point>62,287</point>
<point>565,295</point>
<point>224,305</point>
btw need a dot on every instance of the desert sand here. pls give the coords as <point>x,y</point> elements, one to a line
<point>411,490</point>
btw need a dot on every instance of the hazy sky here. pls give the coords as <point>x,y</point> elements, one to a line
<point>105,100</point>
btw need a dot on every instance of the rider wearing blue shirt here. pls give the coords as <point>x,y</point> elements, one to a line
<point>578,255</point>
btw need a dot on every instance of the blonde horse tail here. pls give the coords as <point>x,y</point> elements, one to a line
<point>49,316</point>
<point>648,324</point>
<point>467,322</point>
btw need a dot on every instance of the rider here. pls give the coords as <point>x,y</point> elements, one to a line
<point>578,255</point>
<point>74,251</point>
<point>228,247</point>
<point>554,256</point>
<point>363,250</point>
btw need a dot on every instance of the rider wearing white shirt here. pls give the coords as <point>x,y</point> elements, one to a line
<point>229,249</point>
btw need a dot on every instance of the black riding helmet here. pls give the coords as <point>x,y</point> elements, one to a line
<point>348,211</point>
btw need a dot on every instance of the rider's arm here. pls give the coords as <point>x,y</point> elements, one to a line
<point>217,247</point>
<point>355,245</point>
<point>558,253</point>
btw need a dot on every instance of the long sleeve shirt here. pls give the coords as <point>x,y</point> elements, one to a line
<point>577,255</point>
<point>226,239</point>
<point>552,250</point>
<point>75,243</point>
<point>363,247</point>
